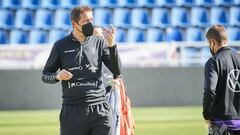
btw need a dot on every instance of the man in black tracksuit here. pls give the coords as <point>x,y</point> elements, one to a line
<point>221,100</point>
<point>77,61</point>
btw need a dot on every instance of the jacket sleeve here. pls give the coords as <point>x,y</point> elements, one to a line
<point>210,83</point>
<point>51,67</point>
<point>111,59</point>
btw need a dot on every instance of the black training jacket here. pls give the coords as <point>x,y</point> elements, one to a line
<point>221,97</point>
<point>84,60</point>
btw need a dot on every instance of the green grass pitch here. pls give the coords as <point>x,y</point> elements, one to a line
<point>149,121</point>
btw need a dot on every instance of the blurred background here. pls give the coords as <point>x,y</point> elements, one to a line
<point>161,44</point>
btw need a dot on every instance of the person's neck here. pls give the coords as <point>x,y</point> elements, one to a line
<point>220,46</point>
<point>79,36</point>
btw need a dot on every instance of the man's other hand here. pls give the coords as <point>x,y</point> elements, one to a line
<point>64,75</point>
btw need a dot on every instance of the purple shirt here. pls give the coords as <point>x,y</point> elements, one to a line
<point>231,124</point>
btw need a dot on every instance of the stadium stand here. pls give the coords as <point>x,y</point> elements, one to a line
<point>50,4</point>
<point>234,33</point>
<point>122,17</point>
<point>69,4</point>
<point>121,35</point>
<point>174,34</point>
<point>55,34</point>
<point>11,4</point>
<point>167,3</point>
<point>195,34</point>
<point>19,37</point>
<point>37,36</point>
<point>201,17</point>
<point>234,19</point>
<point>4,37</point>
<point>187,3</point>
<point>161,17</point>
<point>155,35</point>
<point>219,15</point>
<point>205,3</point>
<point>166,20</point>
<point>103,17</point>
<point>31,4</point>
<point>140,18</point>
<point>24,19</point>
<point>62,19</point>
<point>109,3</point>
<point>44,19</point>
<point>180,17</point>
<point>7,19</point>
<point>136,35</point>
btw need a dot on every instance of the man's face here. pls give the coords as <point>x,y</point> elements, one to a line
<point>211,43</point>
<point>85,18</point>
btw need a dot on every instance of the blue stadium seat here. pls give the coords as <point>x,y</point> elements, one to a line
<point>160,17</point>
<point>205,3</point>
<point>38,36</point>
<point>187,3</point>
<point>62,19</point>
<point>50,4</point>
<point>235,16</point>
<point>121,35</point>
<point>24,19</point>
<point>19,37</point>
<point>233,33</point>
<point>92,3</point>
<point>219,16</point>
<point>174,34</point>
<point>55,34</point>
<point>224,2</point>
<point>194,34</point>
<point>147,3</point>
<point>122,17</point>
<point>4,38</point>
<point>109,3</point>
<point>136,35</point>
<point>237,2</point>
<point>7,19</point>
<point>11,4</point>
<point>166,3</point>
<point>128,3</point>
<point>155,35</point>
<point>140,18</point>
<point>200,17</point>
<point>180,17</point>
<point>69,4</point>
<point>44,19</point>
<point>31,4</point>
<point>102,17</point>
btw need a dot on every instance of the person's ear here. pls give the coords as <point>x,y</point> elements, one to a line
<point>212,43</point>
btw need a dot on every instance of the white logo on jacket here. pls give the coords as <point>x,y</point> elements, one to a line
<point>233,80</point>
<point>92,68</point>
<point>82,84</point>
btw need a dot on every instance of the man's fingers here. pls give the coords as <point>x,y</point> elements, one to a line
<point>67,72</point>
<point>113,29</point>
<point>105,29</point>
<point>66,75</point>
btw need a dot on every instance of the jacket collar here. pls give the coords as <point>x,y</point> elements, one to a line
<point>223,49</point>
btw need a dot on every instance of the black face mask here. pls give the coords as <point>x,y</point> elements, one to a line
<point>87,29</point>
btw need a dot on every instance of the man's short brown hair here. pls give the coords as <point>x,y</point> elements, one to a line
<point>77,11</point>
<point>218,33</point>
